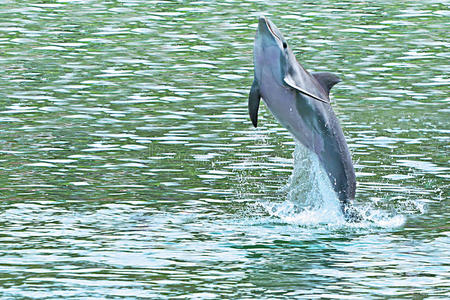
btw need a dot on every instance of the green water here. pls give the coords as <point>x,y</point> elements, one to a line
<point>129,167</point>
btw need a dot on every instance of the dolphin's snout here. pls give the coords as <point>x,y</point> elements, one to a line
<point>262,23</point>
<point>267,28</point>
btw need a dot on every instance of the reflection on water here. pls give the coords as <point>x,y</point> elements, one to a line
<point>129,167</point>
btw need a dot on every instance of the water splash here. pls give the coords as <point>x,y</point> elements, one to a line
<point>311,200</point>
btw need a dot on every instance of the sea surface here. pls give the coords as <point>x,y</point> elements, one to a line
<point>129,168</point>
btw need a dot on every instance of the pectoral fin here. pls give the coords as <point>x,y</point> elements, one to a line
<point>253,102</point>
<point>291,81</point>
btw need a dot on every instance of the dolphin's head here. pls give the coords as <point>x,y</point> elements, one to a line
<point>271,52</point>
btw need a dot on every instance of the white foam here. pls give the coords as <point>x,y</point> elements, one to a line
<point>311,200</point>
<point>310,197</point>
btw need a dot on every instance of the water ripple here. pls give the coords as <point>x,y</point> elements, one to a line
<point>130,168</point>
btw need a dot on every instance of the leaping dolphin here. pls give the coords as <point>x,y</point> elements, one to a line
<point>300,101</point>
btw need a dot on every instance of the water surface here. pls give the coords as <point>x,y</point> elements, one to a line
<point>130,169</point>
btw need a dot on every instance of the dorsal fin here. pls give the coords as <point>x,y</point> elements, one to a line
<point>327,80</point>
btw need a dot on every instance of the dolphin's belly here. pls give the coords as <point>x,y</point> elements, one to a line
<point>282,104</point>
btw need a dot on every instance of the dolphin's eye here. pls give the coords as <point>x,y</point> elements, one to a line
<point>284,45</point>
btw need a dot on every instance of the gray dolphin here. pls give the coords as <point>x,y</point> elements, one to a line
<point>300,101</point>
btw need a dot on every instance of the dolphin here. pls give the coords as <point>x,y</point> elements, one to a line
<point>300,101</point>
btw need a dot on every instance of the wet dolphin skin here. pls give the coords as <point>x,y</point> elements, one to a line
<point>300,101</point>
